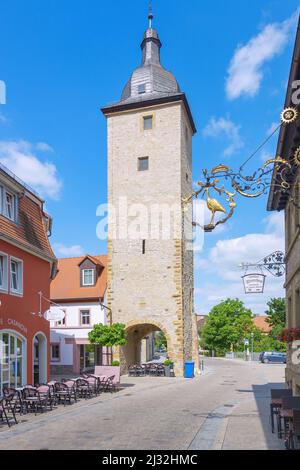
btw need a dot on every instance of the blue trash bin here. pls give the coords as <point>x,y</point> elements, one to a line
<point>189,372</point>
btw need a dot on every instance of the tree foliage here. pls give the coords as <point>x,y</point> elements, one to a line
<point>160,340</point>
<point>276,313</point>
<point>228,324</point>
<point>108,335</point>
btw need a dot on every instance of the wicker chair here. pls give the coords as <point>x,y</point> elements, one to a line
<point>45,391</point>
<point>64,393</point>
<point>84,389</point>
<point>9,406</point>
<point>132,371</point>
<point>161,370</point>
<point>33,400</point>
<point>94,384</point>
<point>153,369</point>
<point>4,410</point>
<point>277,394</point>
<point>72,386</point>
<point>17,398</point>
<point>294,434</point>
<point>288,404</point>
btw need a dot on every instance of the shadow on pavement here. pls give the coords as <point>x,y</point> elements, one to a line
<point>262,394</point>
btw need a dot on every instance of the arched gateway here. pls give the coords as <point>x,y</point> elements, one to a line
<point>150,251</point>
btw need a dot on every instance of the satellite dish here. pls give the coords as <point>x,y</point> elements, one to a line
<point>54,314</point>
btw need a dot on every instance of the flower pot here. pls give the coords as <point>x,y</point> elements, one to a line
<point>168,371</point>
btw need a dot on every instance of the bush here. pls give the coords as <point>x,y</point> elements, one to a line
<point>115,363</point>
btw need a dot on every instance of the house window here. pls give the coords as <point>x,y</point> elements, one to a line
<point>148,123</point>
<point>16,276</point>
<point>85,317</point>
<point>8,204</point>
<point>141,88</point>
<point>144,247</point>
<point>3,272</point>
<point>143,164</point>
<point>55,352</point>
<point>88,277</point>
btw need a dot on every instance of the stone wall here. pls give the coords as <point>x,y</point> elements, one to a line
<point>292,285</point>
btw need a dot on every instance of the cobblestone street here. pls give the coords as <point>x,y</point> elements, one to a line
<point>227,408</point>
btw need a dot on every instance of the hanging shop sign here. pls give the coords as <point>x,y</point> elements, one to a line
<point>54,314</point>
<point>254,283</point>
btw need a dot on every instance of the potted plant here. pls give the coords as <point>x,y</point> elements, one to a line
<point>168,366</point>
<point>115,363</point>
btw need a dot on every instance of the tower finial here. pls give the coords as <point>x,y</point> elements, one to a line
<point>150,16</point>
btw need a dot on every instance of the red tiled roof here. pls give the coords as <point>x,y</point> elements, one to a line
<point>30,231</point>
<point>262,324</point>
<point>66,285</point>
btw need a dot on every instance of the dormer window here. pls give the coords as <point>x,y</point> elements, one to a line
<point>141,88</point>
<point>8,204</point>
<point>88,277</point>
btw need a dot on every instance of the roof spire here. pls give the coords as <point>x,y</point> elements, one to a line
<point>150,15</point>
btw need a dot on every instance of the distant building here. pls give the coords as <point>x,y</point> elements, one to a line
<point>261,323</point>
<point>201,321</point>
<point>27,265</point>
<point>288,145</point>
<point>80,289</point>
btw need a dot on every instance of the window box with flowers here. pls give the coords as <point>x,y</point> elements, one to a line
<point>289,335</point>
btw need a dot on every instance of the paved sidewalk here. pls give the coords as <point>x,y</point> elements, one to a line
<point>227,408</point>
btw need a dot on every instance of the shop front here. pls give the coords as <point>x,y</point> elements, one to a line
<point>23,354</point>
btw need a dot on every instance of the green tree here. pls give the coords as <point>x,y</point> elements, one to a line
<point>276,312</point>
<point>228,324</point>
<point>160,340</point>
<point>276,317</point>
<point>108,335</point>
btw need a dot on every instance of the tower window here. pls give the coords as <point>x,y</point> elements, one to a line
<point>143,164</point>
<point>148,123</point>
<point>144,247</point>
<point>141,89</point>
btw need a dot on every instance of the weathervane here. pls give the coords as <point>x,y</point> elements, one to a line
<point>150,16</point>
<point>250,186</point>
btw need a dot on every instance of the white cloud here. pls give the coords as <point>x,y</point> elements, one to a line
<point>43,147</point>
<point>245,72</point>
<point>62,250</point>
<point>19,157</point>
<point>222,265</point>
<point>224,126</point>
<point>274,224</point>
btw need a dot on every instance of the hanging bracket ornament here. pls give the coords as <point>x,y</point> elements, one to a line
<point>251,186</point>
<point>254,282</point>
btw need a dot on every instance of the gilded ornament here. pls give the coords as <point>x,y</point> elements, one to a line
<point>289,115</point>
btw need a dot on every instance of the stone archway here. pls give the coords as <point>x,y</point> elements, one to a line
<point>137,330</point>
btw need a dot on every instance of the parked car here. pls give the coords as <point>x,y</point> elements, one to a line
<point>267,357</point>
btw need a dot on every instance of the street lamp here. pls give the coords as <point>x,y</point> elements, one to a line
<point>252,340</point>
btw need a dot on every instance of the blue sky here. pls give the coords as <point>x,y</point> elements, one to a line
<point>62,60</point>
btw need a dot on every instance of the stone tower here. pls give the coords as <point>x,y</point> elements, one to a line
<point>150,272</point>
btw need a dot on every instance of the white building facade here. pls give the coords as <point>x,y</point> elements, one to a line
<point>80,291</point>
